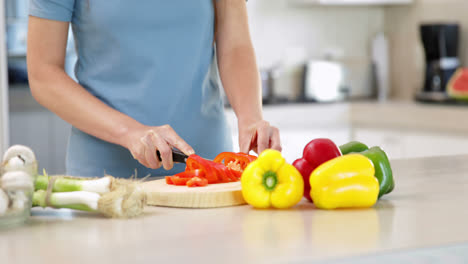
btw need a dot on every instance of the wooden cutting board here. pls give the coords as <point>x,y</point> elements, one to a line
<point>214,195</point>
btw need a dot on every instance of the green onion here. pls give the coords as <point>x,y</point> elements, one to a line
<point>70,184</point>
<point>84,201</point>
<point>123,202</point>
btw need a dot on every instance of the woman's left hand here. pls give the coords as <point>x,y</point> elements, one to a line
<point>258,136</point>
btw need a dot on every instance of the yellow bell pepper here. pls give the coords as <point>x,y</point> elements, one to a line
<point>271,182</point>
<point>344,182</point>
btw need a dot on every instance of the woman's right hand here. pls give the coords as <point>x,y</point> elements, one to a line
<point>144,141</point>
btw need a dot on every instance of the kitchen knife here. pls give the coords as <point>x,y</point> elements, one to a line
<point>177,155</point>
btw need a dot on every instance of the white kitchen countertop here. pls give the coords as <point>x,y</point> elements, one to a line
<point>427,209</point>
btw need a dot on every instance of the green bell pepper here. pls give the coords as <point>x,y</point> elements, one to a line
<point>353,147</point>
<point>383,170</point>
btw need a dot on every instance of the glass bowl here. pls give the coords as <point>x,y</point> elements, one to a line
<point>19,209</point>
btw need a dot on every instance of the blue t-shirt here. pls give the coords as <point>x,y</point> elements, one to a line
<point>152,60</point>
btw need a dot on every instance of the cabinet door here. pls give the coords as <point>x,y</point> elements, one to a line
<point>60,131</point>
<point>32,129</point>
<point>435,144</point>
<point>294,141</point>
<point>390,140</point>
<point>413,144</point>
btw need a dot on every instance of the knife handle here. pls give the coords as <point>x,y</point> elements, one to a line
<point>177,156</point>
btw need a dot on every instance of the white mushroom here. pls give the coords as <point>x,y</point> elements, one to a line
<point>3,202</point>
<point>19,150</point>
<point>17,181</point>
<point>19,157</point>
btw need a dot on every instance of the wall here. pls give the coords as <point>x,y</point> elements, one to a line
<point>407,55</point>
<point>278,29</point>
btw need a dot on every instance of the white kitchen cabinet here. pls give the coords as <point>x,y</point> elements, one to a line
<point>389,140</point>
<point>33,125</point>
<point>31,129</point>
<point>45,133</point>
<point>350,2</point>
<point>400,144</point>
<point>294,141</point>
<point>420,144</point>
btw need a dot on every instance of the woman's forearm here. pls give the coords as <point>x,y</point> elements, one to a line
<point>55,90</point>
<point>236,61</point>
<point>241,81</point>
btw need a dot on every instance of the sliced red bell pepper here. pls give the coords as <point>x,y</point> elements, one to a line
<point>169,180</point>
<point>250,157</point>
<point>196,162</point>
<point>179,181</point>
<point>236,173</point>
<point>199,170</point>
<point>191,173</point>
<point>221,174</point>
<point>240,158</point>
<point>197,182</point>
<point>231,174</point>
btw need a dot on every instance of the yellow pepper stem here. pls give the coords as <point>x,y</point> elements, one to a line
<point>270,179</point>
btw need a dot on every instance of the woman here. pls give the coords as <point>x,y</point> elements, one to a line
<point>147,81</point>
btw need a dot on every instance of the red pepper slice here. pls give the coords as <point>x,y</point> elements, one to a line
<point>179,181</point>
<point>191,174</point>
<point>222,174</point>
<point>195,162</point>
<point>197,182</point>
<point>232,174</point>
<point>250,157</point>
<point>240,158</point>
<point>236,173</point>
<point>169,180</point>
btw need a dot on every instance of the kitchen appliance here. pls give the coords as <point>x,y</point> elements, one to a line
<point>440,42</point>
<point>286,83</point>
<point>337,80</point>
<point>323,81</point>
<point>266,76</point>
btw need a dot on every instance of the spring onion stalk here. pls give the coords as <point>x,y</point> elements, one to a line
<point>123,202</point>
<point>84,201</point>
<point>4,201</point>
<point>69,184</point>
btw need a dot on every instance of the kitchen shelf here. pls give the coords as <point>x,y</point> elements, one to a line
<point>350,2</point>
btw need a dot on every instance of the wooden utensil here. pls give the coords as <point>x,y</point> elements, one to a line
<point>214,195</point>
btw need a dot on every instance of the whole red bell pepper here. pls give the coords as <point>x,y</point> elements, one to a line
<point>315,153</point>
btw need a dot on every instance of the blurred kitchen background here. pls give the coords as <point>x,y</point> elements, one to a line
<point>342,69</point>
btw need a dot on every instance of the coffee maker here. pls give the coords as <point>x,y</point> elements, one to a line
<point>440,42</point>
